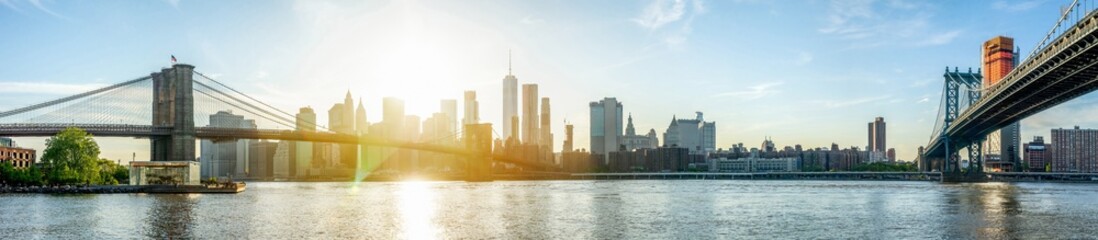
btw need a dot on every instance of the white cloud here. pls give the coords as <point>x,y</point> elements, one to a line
<point>174,3</point>
<point>1081,112</point>
<point>38,4</point>
<point>670,20</point>
<point>10,5</point>
<point>868,24</point>
<point>753,92</point>
<point>661,12</point>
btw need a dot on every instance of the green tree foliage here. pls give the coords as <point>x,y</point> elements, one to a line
<point>72,157</point>
<point>812,168</point>
<point>113,173</point>
<point>26,176</point>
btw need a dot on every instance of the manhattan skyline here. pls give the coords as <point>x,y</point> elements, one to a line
<point>781,69</point>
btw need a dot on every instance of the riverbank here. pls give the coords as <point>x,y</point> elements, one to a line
<point>109,189</point>
<point>807,176</point>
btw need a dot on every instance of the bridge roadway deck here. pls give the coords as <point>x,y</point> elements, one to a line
<point>212,133</point>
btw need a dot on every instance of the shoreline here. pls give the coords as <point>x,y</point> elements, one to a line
<point>189,189</point>
<point>112,189</point>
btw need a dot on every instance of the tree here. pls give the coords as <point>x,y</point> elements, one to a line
<point>25,176</point>
<point>72,157</point>
<point>112,173</point>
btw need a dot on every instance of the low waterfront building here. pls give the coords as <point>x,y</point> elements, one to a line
<point>1074,150</point>
<point>753,164</point>
<point>1036,154</point>
<point>579,161</point>
<point>17,157</point>
<point>165,173</point>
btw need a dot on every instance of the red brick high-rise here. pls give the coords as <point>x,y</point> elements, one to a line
<point>1002,148</point>
<point>998,59</point>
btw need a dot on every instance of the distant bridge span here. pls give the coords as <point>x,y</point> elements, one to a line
<point>214,133</point>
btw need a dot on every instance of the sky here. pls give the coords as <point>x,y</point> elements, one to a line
<point>800,72</point>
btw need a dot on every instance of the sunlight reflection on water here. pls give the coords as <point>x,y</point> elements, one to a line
<point>417,209</point>
<point>569,210</point>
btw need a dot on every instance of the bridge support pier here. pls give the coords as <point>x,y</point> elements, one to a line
<point>976,157</point>
<point>173,106</point>
<point>478,141</point>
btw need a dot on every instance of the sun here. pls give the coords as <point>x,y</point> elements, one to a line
<point>404,50</point>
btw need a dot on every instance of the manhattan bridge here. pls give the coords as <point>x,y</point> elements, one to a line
<point>1063,66</point>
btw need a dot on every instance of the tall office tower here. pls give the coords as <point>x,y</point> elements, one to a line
<point>341,119</point>
<point>567,138</point>
<point>306,119</point>
<point>1074,150</point>
<point>510,101</point>
<point>302,152</point>
<point>876,134</point>
<point>393,118</point>
<point>361,125</point>
<point>281,168</point>
<point>606,124</point>
<point>696,134</point>
<point>335,118</point>
<point>393,128</point>
<point>1002,146</point>
<point>632,141</point>
<point>768,145</point>
<point>412,130</point>
<point>225,158</point>
<point>449,108</point>
<point>546,138</point>
<point>472,108</point>
<point>349,113</point>
<point>708,134</point>
<point>1036,154</point>
<point>530,132</point>
<point>515,129</point>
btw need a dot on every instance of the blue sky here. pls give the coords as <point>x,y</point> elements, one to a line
<point>802,72</point>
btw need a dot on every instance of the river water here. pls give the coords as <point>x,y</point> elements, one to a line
<point>634,209</point>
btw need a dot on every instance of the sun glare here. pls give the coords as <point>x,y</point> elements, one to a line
<point>417,210</point>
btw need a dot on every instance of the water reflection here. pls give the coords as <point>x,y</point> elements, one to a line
<point>417,209</point>
<point>982,210</point>
<point>171,216</point>
<point>570,210</point>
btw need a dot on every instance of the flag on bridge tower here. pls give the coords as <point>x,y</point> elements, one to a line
<point>173,58</point>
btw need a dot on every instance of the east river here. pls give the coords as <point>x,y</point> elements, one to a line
<point>656,209</point>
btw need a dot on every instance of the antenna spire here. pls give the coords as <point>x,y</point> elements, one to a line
<point>508,61</point>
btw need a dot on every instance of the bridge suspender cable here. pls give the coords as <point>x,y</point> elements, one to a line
<point>282,122</point>
<point>290,116</point>
<point>283,118</point>
<point>70,98</point>
<point>242,94</point>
